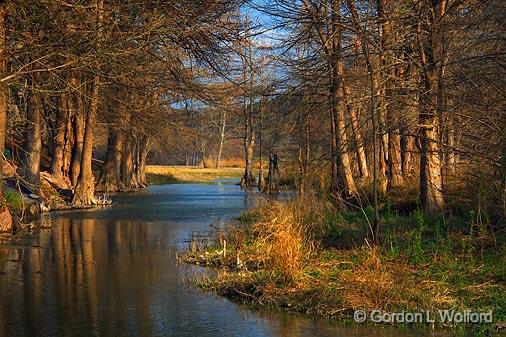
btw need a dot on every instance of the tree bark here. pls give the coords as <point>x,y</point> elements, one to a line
<point>388,99</point>
<point>59,141</point>
<point>85,190</point>
<point>144,148</point>
<point>5,216</point>
<point>128,173</point>
<point>248,180</point>
<point>357,135</point>
<point>222,139</point>
<point>32,143</point>
<point>77,152</point>
<point>431,56</point>
<point>344,172</point>
<point>273,175</point>
<point>84,194</point>
<point>108,180</point>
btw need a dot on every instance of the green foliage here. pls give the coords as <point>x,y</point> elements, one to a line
<point>13,199</point>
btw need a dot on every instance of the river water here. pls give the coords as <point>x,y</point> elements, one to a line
<point>113,272</point>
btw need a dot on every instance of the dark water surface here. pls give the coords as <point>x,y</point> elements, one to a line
<point>113,272</point>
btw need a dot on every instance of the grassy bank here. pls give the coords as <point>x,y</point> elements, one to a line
<point>157,174</point>
<point>306,256</point>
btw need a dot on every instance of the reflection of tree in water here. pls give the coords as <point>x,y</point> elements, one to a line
<point>78,273</point>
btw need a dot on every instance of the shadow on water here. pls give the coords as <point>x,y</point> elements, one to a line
<point>113,272</point>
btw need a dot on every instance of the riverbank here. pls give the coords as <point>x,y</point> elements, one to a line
<point>305,256</point>
<point>159,174</point>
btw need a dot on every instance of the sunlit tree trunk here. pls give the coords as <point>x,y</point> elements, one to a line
<point>84,194</point>
<point>59,141</point>
<point>128,173</point>
<point>357,135</point>
<point>108,181</point>
<point>222,138</point>
<point>78,137</point>
<point>85,190</point>
<point>248,180</point>
<point>388,98</point>
<point>5,216</point>
<point>431,51</point>
<point>344,172</point>
<point>143,157</point>
<point>32,141</point>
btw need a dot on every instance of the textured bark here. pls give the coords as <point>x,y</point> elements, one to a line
<point>408,166</point>
<point>108,180</point>
<point>344,163</point>
<point>144,147</point>
<point>77,152</point>
<point>85,190</point>
<point>128,174</point>
<point>59,141</point>
<point>248,180</point>
<point>272,185</point>
<point>32,142</point>
<point>5,216</point>
<point>395,178</point>
<point>357,135</point>
<point>68,142</point>
<point>343,160</point>
<point>222,139</point>
<point>382,141</point>
<point>432,58</point>
<point>84,194</point>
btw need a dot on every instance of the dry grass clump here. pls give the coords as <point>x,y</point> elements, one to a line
<point>285,235</point>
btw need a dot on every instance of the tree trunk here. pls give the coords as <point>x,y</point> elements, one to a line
<point>77,152</point>
<point>222,139</point>
<point>108,180</point>
<point>59,142</point>
<point>32,143</point>
<point>248,180</point>
<point>143,156</point>
<point>357,135</point>
<point>128,164</point>
<point>84,194</point>
<point>395,178</point>
<point>5,216</point>
<point>345,174</point>
<point>344,164</point>
<point>431,55</point>
<point>273,175</point>
<point>85,189</point>
<point>69,140</point>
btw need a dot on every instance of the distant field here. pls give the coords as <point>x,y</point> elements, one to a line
<point>173,174</point>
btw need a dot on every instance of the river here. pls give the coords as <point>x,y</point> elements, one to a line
<point>113,272</point>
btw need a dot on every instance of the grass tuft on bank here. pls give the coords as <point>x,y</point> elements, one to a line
<point>306,256</point>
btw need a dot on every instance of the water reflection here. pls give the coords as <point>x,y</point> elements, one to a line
<point>112,272</point>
